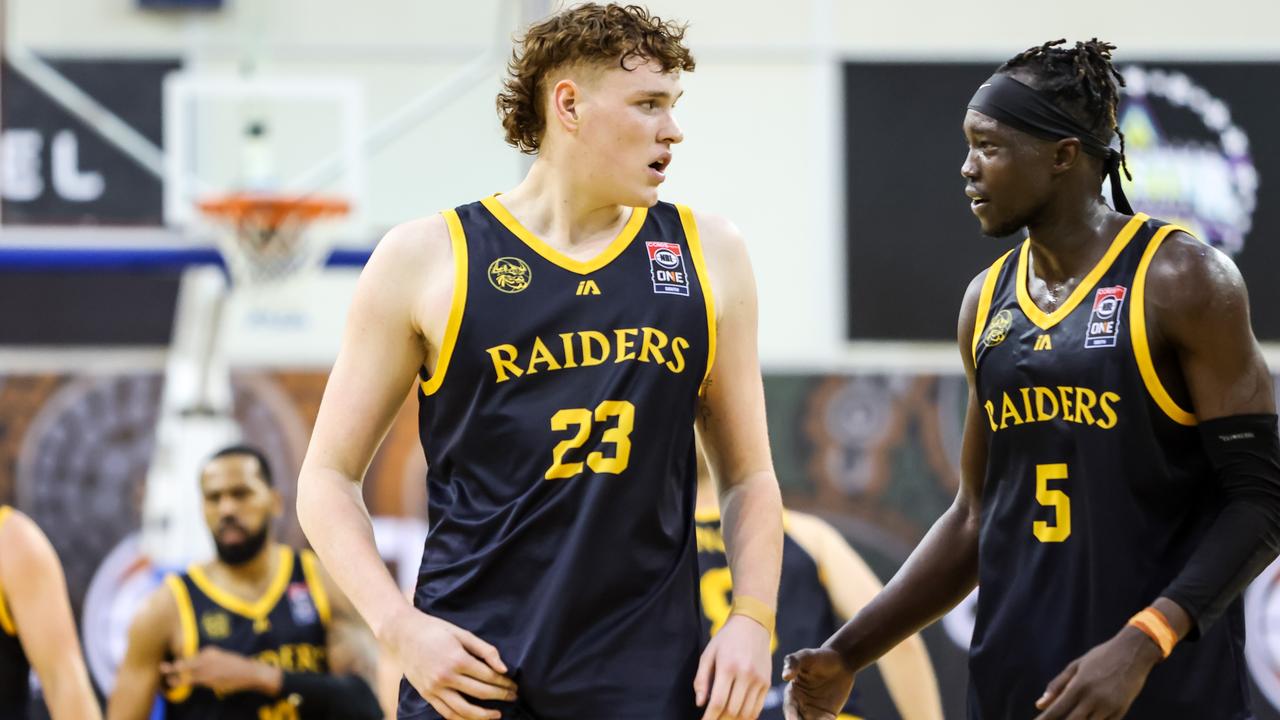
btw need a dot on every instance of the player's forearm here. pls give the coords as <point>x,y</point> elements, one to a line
<point>751,512</point>
<point>68,695</point>
<point>335,520</point>
<point>911,682</point>
<point>941,571</point>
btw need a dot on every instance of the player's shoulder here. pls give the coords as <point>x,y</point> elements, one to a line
<point>717,233</point>
<point>26,548</point>
<point>1187,272</point>
<point>413,257</point>
<point>973,293</point>
<point>160,608</point>
<point>414,241</point>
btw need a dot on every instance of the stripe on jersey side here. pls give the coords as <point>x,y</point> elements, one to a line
<point>1138,334</point>
<point>704,280</point>
<point>458,240</point>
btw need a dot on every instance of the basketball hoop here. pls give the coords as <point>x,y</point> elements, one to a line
<point>267,241</point>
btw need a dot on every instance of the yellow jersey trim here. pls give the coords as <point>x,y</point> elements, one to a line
<point>1045,320</point>
<point>554,256</point>
<point>319,595</point>
<point>1138,334</point>
<point>984,301</point>
<point>704,281</point>
<point>257,609</point>
<point>458,239</point>
<point>6,620</point>
<point>706,515</point>
<point>190,637</point>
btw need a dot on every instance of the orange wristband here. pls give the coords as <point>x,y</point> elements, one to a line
<point>755,609</point>
<point>1156,626</point>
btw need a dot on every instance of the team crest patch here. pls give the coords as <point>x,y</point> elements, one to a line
<point>510,274</point>
<point>1104,321</point>
<point>666,267</point>
<point>216,624</point>
<point>301,607</point>
<point>998,328</point>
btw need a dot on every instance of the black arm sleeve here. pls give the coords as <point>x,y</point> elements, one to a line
<point>1245,453</point>
<point>347,697</point>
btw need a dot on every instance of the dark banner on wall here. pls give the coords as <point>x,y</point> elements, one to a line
<point>1199,143</point>
<point>55,169</point>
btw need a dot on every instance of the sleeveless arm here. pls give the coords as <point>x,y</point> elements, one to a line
<point>731,420</point>
<point>410,274</point>
<point>36,592</point>
<point>138,678</point>
<point>1201,311</point>
<point>943,568</point>
<point>850,584</point>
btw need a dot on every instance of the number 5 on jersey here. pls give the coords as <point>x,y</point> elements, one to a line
<point>619,435</point>
<point>1061,528</point>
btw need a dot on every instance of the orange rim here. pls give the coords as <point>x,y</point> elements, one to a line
<point>272,210</point>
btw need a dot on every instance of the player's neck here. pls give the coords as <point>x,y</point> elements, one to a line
<point>255,572</point>
<point>562,208</point>
<point>1069,237</point>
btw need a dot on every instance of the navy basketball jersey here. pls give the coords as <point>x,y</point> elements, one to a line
<point>286,627</point>
<point>15,669</point>
<point>561,470</point>
<point>1096,493</point>
<point>806,617</point>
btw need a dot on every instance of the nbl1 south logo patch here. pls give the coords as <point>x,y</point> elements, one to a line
<point>1104,321</point>
<point>666,267</point>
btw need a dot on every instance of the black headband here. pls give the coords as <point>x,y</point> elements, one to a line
<point>1022,107</point>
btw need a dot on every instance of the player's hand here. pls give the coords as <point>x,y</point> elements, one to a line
<point>734,672</point>
<point>223,672</point>
<point>1103,682</point>
<point>447,665</point>
<point>818,685</point>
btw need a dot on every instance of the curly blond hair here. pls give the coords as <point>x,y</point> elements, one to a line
<point>586,34</point>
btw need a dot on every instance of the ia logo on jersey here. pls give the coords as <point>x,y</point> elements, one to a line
<point>998,330</point>
<point>1104,321</point>
<point>666,267</point>
<point>510,274</point>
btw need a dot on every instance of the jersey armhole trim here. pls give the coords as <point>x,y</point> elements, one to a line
<point>6,620</point>
<point>458,240</point>
<point>1138,334</point>
<point>704,281</point>
<point>984,301</point>
<point>319,595</point>
<point>190,638</point>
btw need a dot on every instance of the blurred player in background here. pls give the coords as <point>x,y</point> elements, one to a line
<point>258,633</point>
<point>824,583</point>
<point>1120,466</point>
<point>37,630</point>
<point>565,337</point>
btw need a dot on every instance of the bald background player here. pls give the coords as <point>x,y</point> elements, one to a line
<point>37,630</point>
<point>258,633</point>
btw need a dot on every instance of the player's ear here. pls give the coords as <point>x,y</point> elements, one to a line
<point>277,503</point>
<point>565,97</point>
<point>1066,154</point>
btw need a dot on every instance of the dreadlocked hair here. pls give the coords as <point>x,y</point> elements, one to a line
<point>1081,80</point>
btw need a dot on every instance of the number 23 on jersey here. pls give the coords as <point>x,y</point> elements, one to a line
<point>622,412</point>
